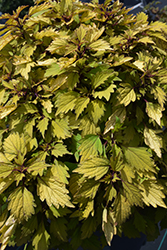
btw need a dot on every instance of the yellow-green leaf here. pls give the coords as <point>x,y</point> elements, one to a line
<point>122,209</point>
<point>88,209</point>
<point>93,168</point>
<point>108,225</point>
<point>96,110</point>
<point>154,111</point>
<point>6,182</point>
<point>100,45</point>
<point>6,110</point>
<point>61,128</point>
<point>139,158</point>
<point>37,167</point>
<point>53,70</point>
<point>47,105</point>
<point>120,113</point>
<point>59,229</point>
<point>60,172</point>
<point>42,125</point>
<point>90,147</point>
<point>132,194</point>
<point>7,38</point>
<point>66,102</point>
<point>152,194</point>
<point>41,238</point>
<point>54,192</point>
<point>105,93</point>
<point>101,77</point>
<point>153,141</point>
<point>14,145</point>
<point>80,105</point>
<point>6,169</point>
<point>126,94</point>
<point>60,150</point>
<point>21,203</point>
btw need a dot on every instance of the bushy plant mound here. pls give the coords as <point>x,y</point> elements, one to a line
<point>83,141</point>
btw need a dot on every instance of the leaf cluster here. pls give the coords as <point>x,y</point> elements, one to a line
<point>82,125</point>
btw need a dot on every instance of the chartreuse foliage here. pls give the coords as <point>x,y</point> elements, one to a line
<point>82,125</point>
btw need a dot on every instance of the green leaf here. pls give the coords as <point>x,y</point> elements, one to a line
<point>153,141</point>
<point>66,102</point>
<point>41,238</point>
<point>54,192</point>
<point>154,111</point>
<point>110,124</point>
<point>122,209</point>
<point>61,128</point>
<point>90,146</point>
<point>42,125</point>
<point>59,229</point>
<point>139,158</point>
<point>139,222</point>
<point>139,115</point>
<point>88,227</point>
<point>152,194</point>
<point>59,150</point>
<point>21,204</point>
<point>126,94</point>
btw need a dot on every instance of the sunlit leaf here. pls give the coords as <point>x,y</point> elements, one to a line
<point>90,146</point>
<point>139,158</point>
<point>41,238</point>
<point>54,192</point>
<point>154,111</point>
<point>21,203</point>
<point>153,141</point>
<point>126,94</point>
<point>93,168</point>
<point>152,194</point>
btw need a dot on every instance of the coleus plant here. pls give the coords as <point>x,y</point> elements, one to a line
<point>83,141</point>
